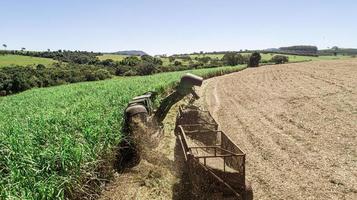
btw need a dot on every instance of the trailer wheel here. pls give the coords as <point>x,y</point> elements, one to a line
<point>248,193</point>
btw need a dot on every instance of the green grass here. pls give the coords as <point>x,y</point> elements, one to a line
<point>218,55</point>
<point>166,61</point>
<point>114,57</point>
<point>295,58</point>
<point>7,60</point>
<point>51,137</point>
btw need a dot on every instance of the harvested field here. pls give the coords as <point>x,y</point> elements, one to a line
<point>296,122</point>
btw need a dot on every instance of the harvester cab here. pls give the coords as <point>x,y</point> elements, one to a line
<point>186,87</point>
<point>139,106</point>
<point>144,100</point>
<point>142,105</point>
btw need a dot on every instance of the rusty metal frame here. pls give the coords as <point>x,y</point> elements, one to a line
<point>202,111</point>
<point>188,149</point>
<point>237,195</point>
<point>222,147</point>
<point>190,157</point>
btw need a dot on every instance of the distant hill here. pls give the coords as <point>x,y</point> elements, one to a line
<point>303,50</point>
<point>307,50</point>
<point>131,53</point>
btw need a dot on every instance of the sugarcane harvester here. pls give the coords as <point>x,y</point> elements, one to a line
<point>143,125</point>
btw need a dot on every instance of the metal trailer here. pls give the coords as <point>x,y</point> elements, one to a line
<point>214,164</point>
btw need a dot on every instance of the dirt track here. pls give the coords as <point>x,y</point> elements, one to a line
<point>296,122</point>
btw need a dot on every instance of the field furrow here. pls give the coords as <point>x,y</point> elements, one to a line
<point>297,124</point>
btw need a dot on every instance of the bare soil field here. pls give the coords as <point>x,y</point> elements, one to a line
<point>296,122</point>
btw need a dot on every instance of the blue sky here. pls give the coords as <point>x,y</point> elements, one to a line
<point>177,26</point>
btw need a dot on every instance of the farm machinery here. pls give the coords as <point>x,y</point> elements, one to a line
<point>143,126</point>
<point>214,164</point>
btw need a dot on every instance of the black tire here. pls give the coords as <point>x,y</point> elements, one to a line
<point>132,158</point>
<point>248,193</point>
<point>128,156</point>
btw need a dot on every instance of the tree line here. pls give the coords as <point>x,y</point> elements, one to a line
<point>300,50</point>
<point>78,57</point>
<point>85,66</point>
<point>16,79</point>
